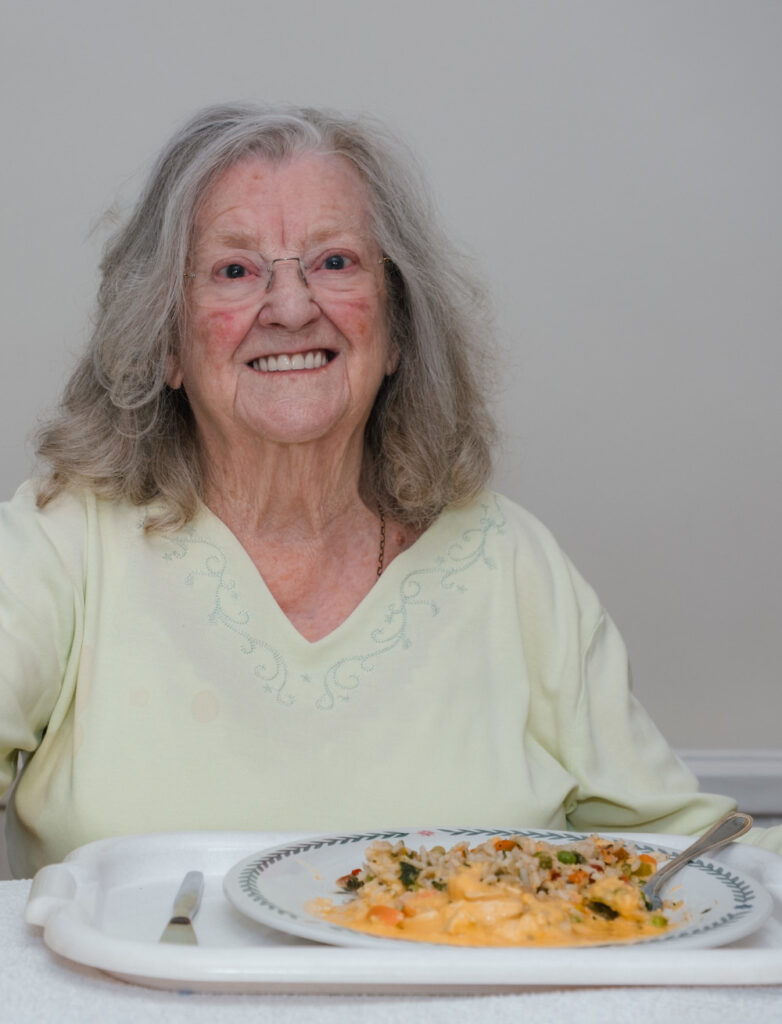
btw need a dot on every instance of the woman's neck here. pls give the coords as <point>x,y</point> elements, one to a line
<point>298,513</point>
<point>295,491</point>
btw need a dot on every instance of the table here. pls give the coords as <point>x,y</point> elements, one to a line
<point>38,986</point>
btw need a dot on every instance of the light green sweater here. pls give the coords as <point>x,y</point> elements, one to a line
<point>161,688</point>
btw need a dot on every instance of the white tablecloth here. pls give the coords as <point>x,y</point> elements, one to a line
<point>38,986</point>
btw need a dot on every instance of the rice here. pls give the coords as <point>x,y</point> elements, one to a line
<point>519,859</point>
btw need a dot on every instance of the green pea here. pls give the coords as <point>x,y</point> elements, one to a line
<point>569,857</point>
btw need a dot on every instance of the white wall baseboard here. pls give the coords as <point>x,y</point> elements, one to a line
<point>753,777</point>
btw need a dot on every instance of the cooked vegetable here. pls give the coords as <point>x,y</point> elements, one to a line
<point>602,910</point>
<point>570,857</point>
<point>408,874</point>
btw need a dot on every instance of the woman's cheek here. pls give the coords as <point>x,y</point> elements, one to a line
<point>357,319</point>
<point>218,330</point>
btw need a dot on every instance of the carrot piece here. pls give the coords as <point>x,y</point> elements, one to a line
<point>578,877</point>
<point>385,915</point>
<point>505,844</point>
<point>647,858</point>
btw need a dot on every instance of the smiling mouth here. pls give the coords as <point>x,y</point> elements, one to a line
<point>299,361</point>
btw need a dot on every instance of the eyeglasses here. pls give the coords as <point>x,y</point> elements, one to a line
<point>239,277</point>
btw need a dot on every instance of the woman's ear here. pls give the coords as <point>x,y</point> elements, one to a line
<point>392,362</point>
<point>173,373</point>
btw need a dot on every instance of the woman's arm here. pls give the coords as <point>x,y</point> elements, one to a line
<point>583,711</point>
<point>40,609</point>
<point>629,776</point>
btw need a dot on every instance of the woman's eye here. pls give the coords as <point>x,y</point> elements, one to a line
<point>233,271</point>
<point>337,261</point>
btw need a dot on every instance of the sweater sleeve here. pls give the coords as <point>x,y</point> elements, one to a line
<point>583,711</point>
<point>629,778</point>
<point>628,775</point>
<point>40,607</point>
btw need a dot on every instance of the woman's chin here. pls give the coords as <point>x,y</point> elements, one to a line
<point>299,426</point>
<point>299,417</point>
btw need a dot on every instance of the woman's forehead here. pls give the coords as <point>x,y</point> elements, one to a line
<point>314,195</point>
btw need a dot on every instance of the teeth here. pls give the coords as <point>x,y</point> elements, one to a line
<point>309,361</point>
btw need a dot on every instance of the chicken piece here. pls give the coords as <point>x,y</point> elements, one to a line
<point>467,884</point>
<point>489,912</point>
<point>422,901</point>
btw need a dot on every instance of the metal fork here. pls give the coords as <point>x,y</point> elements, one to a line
<point>723,832</point>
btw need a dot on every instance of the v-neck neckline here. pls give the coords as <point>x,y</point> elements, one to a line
<point>247,568</point>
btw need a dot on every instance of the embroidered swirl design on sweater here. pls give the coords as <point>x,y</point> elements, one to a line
<point>419,591</point>
<point>272,669</point>
<point>345,675</point>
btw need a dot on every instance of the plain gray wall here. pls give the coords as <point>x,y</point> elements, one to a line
<point>614,169</point>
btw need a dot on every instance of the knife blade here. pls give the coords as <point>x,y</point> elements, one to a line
<point>180,928</point>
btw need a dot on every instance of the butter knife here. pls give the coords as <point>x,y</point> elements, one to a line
<point>180,928</point>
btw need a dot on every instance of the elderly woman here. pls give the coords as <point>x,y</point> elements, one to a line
<point>262,585</point>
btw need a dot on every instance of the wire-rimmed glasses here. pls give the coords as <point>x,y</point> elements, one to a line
<point>234,277</point>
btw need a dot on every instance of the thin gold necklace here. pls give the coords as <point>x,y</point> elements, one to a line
<point>382,553</point>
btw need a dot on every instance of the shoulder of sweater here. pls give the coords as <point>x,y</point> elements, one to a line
<point>543,568</point>
<point>67,521</point>
<point>520,527</point>
<point>70,508</point>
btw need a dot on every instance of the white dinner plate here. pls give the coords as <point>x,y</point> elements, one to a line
<point>274,886</point>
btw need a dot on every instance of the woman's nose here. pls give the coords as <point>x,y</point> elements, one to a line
<point>287,301</point>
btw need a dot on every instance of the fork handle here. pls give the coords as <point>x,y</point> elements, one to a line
<point>720,834</point>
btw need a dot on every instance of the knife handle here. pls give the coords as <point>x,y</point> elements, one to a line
<point>188,899</point>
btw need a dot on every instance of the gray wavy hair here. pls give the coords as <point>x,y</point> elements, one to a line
<point>124,433</point>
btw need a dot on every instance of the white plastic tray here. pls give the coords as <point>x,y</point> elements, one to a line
<point>106,905</point>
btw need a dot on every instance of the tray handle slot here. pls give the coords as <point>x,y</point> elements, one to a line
<point>53,887</point>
